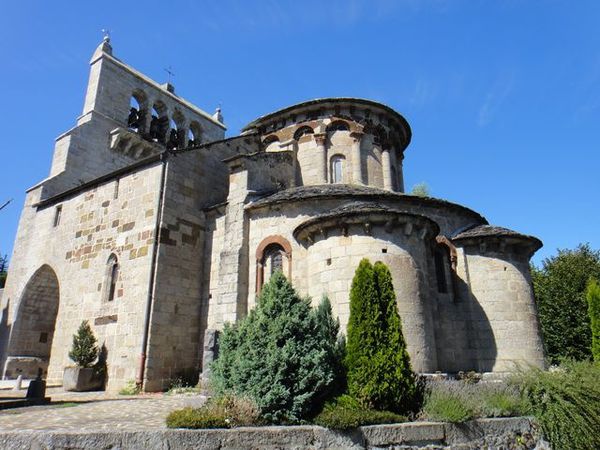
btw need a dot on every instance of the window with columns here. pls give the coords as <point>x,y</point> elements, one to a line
<point>337,169</point>
<point>274,253</point>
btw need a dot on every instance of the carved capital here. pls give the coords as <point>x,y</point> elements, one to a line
<point>357,135</point>
<point>320,138</point>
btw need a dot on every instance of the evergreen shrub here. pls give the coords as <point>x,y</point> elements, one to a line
<point>84,350</point>
<point>379,371</point>
<point>344,415</point>
<point>593,299</point>
<point>565,403</point>
<point>284,355</point>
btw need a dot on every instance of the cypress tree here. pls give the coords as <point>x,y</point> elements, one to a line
<point>593,299</point>
<point>379,371</point>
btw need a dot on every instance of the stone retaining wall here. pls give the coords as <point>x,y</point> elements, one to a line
<point>513,433</point>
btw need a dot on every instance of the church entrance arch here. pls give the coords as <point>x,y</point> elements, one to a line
<point>33,327</point>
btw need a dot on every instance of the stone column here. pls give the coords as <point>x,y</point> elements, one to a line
<point>386,166</point>
<point>400,173</point>
<point>357,176</point>
<point>320,140</point>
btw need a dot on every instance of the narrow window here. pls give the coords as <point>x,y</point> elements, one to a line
<point>57,214</point>
<point>440,270</point>
<point>113,277</point>
<point>337,169</point>
<point>116,191</point>
<point>276,262</point>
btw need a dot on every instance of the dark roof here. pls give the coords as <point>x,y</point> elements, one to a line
<point>359,209</point>
<point>483,231</point>
<point>354,191</point>
<point>333,100</point>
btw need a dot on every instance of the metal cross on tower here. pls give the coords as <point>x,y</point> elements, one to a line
<point>106,34</point>
<point>169,71</point>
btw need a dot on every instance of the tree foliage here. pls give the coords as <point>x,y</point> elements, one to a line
<point>379,370</point>
<point>560,292</point>
<point>3,270</point>
<point>84,350</point>
<point>593,299</point>
<point>284,355</point>
<point>421,190</point>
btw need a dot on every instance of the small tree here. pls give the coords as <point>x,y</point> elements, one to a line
<point>84,350</point>
<point>3,270</point>
<point>560,286</point>
<point>379,370</point>
<point>282,355</point>
<point>421,190</point>
<point>593,298</point>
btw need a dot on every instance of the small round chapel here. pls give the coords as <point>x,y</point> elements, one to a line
<point>158,230</point>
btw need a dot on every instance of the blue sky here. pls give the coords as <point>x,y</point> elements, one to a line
<point>503,97</point>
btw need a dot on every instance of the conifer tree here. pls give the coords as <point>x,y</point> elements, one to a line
<point>593,298</point>
<point>84,350</point>
<point>379,370</point>
<point>281,355</point>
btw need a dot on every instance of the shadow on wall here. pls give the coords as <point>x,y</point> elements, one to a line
<point>480,336</point>
<point>4,336</point>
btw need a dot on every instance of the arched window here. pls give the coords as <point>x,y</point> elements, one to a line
<point>159,123</point>
<point>194,134</point>
<point>112,277</point>
<point>173,141</point>
<point>338,125</point>
<point>274,253</point>
<point>303,131</point>
<point>137,111</point>
<point>337,169</point>
<point>270,143</point>
<point>445,261</point>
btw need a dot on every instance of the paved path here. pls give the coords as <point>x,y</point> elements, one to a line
<point>97,412</point>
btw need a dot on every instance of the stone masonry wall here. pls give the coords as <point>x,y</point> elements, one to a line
<point>505,322</point>
<point>94,224</point>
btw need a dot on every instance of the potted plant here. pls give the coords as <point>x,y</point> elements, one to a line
<point>83,376</point>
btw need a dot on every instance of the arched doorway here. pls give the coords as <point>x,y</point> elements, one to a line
<point>33,327</point>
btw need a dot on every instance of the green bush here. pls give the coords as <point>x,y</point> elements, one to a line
<point>450,401</point>
<point>196,418</point>
<point>593,298</point>
<point>565,403</point>
<point>345,413</point>
<point>563,310</point>
<point>84,350</point>
<point>458,401</point>
<point>222,412</point>
<point>379,371</point>
<point>130,388</point>
<point>280,355</point>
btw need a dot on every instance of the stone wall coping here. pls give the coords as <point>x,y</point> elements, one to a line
<point>363,213</point>
<point>482,433</point>
<point>328,191</point>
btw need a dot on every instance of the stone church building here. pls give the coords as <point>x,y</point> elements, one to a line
<point>155,228</point>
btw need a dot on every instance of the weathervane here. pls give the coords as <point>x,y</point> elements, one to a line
<point>106,33</point>
<point>169,70</point>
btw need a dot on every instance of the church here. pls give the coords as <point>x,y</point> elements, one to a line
<point>157,229</point>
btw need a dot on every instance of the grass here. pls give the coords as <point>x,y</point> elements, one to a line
<point>565,403</point>
<point>346,413</point>
<point>223,412</point>
<point>459,401</point>
<point>131,388</point>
